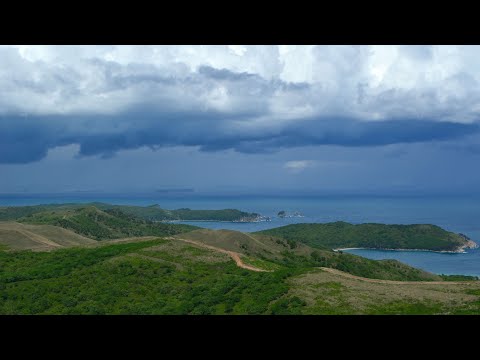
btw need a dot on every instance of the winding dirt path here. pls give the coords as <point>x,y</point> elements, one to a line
<point>234,255</point>
<point>395,282</point>
<point>239,262</point>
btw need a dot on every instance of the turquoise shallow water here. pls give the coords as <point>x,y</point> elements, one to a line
<point>439,263</point>
<point>458,214</point>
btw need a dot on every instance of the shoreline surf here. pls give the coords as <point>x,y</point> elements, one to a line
<point>406,250</point>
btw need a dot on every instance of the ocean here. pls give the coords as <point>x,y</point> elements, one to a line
<point>453,213</point>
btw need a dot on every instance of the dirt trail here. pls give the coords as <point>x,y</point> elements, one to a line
<point>394,282</point>
<point>234,255</point>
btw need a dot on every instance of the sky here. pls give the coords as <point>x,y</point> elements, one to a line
<point>352,119</point>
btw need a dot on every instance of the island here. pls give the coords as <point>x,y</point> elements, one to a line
<point>283,214</point>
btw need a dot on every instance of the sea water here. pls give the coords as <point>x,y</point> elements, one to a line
<point>439,263</point>
<point>453,213</point>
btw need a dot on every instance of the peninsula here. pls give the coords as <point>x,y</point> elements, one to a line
<point>148,213</point>
<point>342,235</point>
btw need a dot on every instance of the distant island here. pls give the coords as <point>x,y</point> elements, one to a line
<point>284,214</point>
<point>175,190</point>
<point>341,235</point>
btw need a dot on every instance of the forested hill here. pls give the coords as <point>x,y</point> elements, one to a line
<point>199,273</point>
<point>149,213</point>
<point>156,213</point>
<point>378,236</point>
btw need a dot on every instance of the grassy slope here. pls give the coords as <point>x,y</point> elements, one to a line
<point>100,225</point>
<point>256,245</point>
<point>172,277</point>
<point>16,212</point>
<point>18,236</point>
<point>325,293</point>
<point>302,256</point>
<point>343,235</point>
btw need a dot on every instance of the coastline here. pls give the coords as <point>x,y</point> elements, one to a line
<point>459,251</point>
<point>220,221</point>
<point>419,250</point>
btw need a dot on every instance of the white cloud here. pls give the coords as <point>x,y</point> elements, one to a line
<point>297,166</point>
<point>363,82</point>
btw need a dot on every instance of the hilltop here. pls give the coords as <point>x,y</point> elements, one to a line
<point>18,236</point>
<point>376,236</point>
<point>97,224</point>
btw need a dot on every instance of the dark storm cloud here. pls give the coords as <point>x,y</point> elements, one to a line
<point>224,74</point>
<point>258,103</point>
<point>28,139</point>
<point>23,140</point>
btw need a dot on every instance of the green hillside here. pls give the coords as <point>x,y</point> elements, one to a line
<point>282,252</point>
<point>155,213</point>
<point>169,276</point>
<point>101,225</point>
<point>149,213</point>
<point>17,212</point>
<point>182,269</point>
<point>16,236</point>
<point>345,235</point>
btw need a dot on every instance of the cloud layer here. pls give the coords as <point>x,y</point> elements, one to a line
<point>253,99</point>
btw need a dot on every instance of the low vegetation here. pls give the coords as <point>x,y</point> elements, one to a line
<point>298,255</point>
<point>169,276</point>
<point>16,236</point>
<point>109,280</point>
<point>327,293</point>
